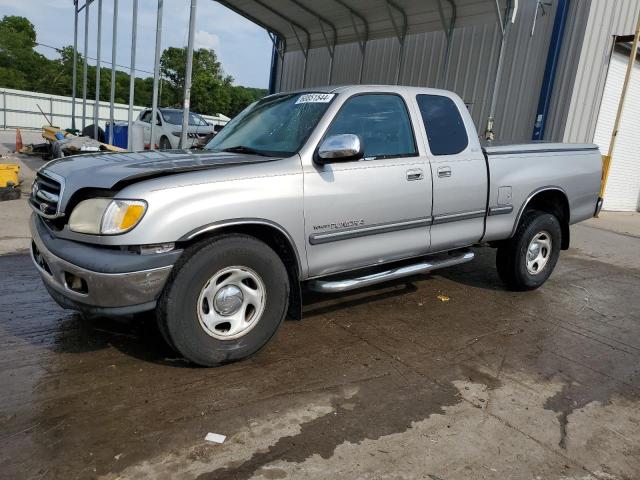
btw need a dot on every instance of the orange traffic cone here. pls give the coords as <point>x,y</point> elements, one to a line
<point>18,140</point>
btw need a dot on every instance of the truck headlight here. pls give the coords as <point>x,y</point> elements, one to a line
<point>106,216</point>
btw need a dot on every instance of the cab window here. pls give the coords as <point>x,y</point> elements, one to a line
<point>443,123</point>
<point>382,123</point>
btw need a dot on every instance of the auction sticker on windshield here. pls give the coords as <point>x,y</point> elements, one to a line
<point>315,98</point>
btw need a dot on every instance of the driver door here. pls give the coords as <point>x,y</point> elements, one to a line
<point>374,210</point>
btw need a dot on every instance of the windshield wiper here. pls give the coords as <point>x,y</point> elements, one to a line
<point>245,149</point>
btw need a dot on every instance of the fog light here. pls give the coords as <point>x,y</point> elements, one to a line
<point>157,248</point>
<point>75,283</point>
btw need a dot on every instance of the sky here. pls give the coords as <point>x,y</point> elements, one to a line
<point>243,48</point>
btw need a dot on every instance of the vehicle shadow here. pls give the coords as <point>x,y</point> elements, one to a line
<point>138,336</point>
<point>479,273</point>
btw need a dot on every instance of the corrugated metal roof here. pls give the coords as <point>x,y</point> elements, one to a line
<point>314,24</point>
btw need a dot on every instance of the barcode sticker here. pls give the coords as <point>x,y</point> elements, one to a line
<point>315,98</point>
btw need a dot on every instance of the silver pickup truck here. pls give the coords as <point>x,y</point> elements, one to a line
<point>327,189</point>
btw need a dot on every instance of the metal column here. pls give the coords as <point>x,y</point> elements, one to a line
<point>84,66</point>
<point>75,64</point>
<point>156,74</point>
<point>187,75</point>
<point>96,105</point>
<point>504,21</point>
<point>132,73</point>
<point>448,28</point>
<point>112,96</point>
<point>362,39</point>
<point>401,33</point>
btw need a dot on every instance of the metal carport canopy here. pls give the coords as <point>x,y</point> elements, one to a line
<point>304,24</point>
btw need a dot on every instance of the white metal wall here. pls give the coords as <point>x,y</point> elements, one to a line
<point>19,109</point>
<point>623,187</point>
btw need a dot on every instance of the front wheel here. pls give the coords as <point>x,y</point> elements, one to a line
<point>224,300</point>
<point>526,260</point>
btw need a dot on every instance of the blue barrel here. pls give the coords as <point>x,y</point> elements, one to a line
<point>120,134</point>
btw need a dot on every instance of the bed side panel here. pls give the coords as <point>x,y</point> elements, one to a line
<point>516,177</point>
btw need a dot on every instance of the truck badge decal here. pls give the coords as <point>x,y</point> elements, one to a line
<point>340,224</point>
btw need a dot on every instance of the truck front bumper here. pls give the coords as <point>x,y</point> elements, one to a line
<point>98,280</point>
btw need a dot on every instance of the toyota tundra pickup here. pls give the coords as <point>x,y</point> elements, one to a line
<point>326,189</point>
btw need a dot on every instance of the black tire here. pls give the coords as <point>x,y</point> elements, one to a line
<point>511,258</point>
<point>88,132</point>
<point>164,144</point>
<point>178,307</point>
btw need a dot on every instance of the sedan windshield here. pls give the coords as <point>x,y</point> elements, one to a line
<point>275,126</point>
<point>174,117</point>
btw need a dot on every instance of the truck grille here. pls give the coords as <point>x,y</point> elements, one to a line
<point>45,196</point>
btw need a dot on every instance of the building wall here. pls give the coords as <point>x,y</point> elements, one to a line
<point>471,71</point>
<point>578,87</point>
<point>605,19</point>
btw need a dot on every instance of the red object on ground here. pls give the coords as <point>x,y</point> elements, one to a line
<point>18,140</point>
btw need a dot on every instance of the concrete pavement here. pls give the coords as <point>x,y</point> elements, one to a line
<point>387,383</point>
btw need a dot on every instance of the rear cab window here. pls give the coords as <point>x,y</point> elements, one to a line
<point>381,121</point>
<point>446,132</point>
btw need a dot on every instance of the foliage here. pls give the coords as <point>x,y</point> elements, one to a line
<point>212,91</point>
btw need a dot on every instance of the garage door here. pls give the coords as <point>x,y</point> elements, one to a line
<point>623,187</point>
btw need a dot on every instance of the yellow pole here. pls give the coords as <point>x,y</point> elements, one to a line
<point>606,159</point>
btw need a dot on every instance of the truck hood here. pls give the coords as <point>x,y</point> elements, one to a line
<point>115,170</point>
<point>108,170</point>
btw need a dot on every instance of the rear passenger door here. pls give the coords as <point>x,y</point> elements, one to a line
<point>459,172</point>
<point>374,210</point>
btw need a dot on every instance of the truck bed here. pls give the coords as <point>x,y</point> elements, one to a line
<point>519,171</point>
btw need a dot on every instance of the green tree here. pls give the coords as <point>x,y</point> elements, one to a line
<point>212,91</point>
<point>19,62</point>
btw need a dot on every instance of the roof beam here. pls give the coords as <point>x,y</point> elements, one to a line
<point>322,21</point>
<point>362,39</point>
<point>249,17</point>
<point>448,28</point>
<point>401,32</point>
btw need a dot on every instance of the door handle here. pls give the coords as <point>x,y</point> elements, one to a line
<point>414,174</point>
<point>444,172</point>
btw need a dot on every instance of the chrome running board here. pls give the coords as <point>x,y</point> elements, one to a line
<point>346,284</point>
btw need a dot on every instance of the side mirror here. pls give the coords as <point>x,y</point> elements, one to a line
<point>340,148</point>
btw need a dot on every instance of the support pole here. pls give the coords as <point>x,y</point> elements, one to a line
<point>448,29</point>
<point>96,105</point>
<point>187,75</point>
<point>74,75</point>
<point>112,96</point>
<point>156,74</point>
<point>401,34</point>
<point>84,65</point>
<point>504,21</point>
<point>606,161</point>
<point>132,73</point>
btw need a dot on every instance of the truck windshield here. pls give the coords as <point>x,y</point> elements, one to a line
<point>274,126</point>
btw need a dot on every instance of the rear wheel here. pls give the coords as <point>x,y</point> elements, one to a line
<point>225,299</point>
<point>526,260</point>
<point>164,144</point>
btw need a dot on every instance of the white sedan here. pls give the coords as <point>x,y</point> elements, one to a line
<point>169,126</point>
